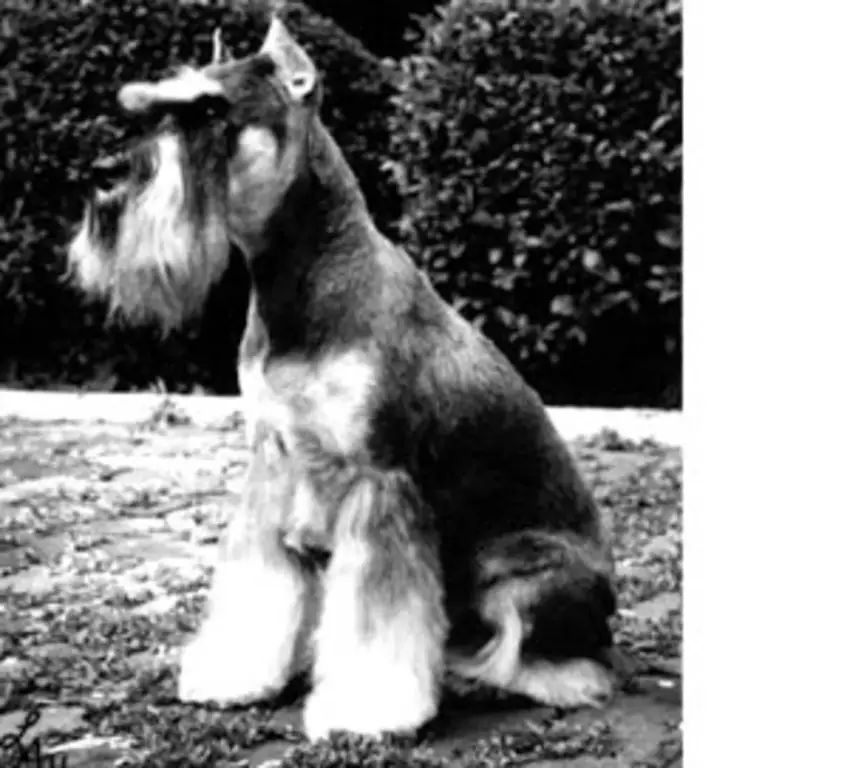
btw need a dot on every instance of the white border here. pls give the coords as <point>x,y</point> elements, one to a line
<point>767,507</point>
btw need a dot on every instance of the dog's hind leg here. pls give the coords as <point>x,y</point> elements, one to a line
<point>546,599</point>
<point>381,635</point>
<point>263,599</point>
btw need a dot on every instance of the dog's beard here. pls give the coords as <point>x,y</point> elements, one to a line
<point>154,248</point>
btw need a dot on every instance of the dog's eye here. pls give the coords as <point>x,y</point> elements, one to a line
<point>212,107</point>
<point>201,111</point>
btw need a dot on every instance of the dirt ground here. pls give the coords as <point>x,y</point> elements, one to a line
<point>107,535</point>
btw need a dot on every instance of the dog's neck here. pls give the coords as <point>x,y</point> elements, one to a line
<point>310,285</point>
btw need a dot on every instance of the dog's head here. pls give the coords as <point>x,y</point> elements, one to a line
<point>229,142</point>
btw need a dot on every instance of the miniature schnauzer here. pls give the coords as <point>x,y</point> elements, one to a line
<point>410,509</point>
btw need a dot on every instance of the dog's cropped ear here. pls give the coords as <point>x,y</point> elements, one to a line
<point>295,68</point>
<point>188,86</point>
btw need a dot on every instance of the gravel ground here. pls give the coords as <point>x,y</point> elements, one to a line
<point>107,535</point>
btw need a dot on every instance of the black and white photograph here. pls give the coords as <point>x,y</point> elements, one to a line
<point>341,383</point>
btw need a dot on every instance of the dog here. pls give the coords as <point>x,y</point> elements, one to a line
<point>409,510</point>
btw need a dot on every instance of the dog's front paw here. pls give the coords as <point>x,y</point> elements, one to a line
<point>218,668</point>
<point>365,712</point>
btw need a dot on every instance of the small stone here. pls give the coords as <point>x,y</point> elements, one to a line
<point>92,751</point>
<point>59,719</point>
<point>205,536</point>
<point>180,522</point>
<point>658,607</point>
<point>158,606</point>
<point>661,546</point>
<point>270,755</point>
<point>635,572</point>
<point>13,668</point>
<point>54,651</point>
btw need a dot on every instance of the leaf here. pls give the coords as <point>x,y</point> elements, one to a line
<point>620,206</point>
<point>669,238</point>
<point>660,122</point>
<point>482,219</point>
<point>577,334</point>
<point>483,83</point>
<point>563,306</point>
<point>591,259</point>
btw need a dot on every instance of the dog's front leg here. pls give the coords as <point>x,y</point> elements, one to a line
<point>262,603</point>
<point>380,639</point>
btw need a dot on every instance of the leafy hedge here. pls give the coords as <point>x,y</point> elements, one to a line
<point>64,61</point>
<point>539,150</point>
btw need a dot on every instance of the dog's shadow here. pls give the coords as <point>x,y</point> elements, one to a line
<point>467,712</point>
<point>471,713</point>
<point>470,716</point>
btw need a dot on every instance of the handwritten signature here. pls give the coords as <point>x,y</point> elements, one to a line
<point>15,754</point>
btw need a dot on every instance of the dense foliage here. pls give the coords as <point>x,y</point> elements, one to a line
<point>539,150</point>
<point>381,25</point>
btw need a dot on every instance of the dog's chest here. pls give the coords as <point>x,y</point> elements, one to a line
<point>328,400</point>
